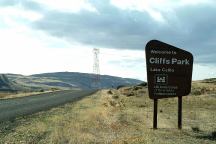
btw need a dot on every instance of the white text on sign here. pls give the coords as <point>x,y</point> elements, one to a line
<point>172,61</point>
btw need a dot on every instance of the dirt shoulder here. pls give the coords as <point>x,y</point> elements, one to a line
<point>9,95</point>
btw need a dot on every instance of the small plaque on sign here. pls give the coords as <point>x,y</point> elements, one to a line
<point>169,70</point>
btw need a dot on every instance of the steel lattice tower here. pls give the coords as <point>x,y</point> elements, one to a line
<point>96,69</point>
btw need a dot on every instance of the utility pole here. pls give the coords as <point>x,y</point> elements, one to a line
<point>96,69</point>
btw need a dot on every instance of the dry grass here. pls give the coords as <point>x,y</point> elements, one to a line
<point>4,94</point>
<point>112,117</point>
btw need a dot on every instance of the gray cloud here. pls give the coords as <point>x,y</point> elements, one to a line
<point>110,27</point>
<point>197,23</point>
<point>27,4</point>
<point>8,2</point>
<point>189,27</point>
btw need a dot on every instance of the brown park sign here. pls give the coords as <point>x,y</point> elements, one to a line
<point>169,70</point>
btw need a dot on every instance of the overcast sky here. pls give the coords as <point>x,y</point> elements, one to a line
<point>38,36</point>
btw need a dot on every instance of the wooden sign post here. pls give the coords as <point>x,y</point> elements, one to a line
<point>180,112</point>
<point>155,113</point>
<point>169,74</point>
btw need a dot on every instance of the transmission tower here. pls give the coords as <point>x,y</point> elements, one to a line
<point>96,69</point>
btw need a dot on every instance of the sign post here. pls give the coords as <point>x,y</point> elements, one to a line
<point>180,112</point>
<point>169,74</point>
<point>155,113</point>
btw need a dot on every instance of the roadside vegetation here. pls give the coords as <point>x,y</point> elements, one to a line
<point>122,116</point>
<point>8,95</point>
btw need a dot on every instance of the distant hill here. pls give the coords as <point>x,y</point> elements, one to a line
<point>84,80</point>
<point>211,80</point>
<point>6,84</point>
<point>67,80</point>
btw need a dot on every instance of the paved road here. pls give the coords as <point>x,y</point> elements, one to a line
<point>12,108</point>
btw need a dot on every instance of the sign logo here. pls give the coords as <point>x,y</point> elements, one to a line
<point>161,79</point>
<point>169,70</point>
